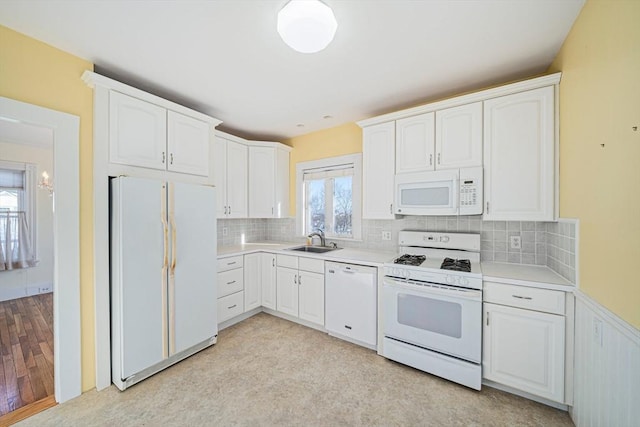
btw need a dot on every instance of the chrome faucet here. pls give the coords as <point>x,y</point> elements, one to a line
<point>320,234</point>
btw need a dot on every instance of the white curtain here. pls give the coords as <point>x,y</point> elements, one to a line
<point>15,242</point>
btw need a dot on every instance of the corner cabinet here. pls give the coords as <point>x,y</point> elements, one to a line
<point>524,339</point>
<point>519,156</point>
<point>259,281</point>
<point>147,135</point>
<point>378,171</point>
<point>269,180</point>
<point>231,162</point>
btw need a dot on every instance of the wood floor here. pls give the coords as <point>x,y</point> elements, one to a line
<point>26,359</point>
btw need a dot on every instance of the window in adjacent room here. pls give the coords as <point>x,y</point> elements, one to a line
<point>329,194</point>
<point>17,215</point>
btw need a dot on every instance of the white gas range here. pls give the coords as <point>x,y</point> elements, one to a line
<point>432,299</point>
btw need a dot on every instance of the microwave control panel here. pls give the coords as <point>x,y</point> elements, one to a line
<point>471,191</point>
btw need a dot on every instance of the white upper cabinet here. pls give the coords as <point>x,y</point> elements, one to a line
<point>137,132</point>
<point>459,136</point>
<point>519,156</point>
<point>415,143</point>
<point>268,181</point>
<point>147,135</point>
<point>378,169</point>
<point>231,178</point>
<point>187,144</point>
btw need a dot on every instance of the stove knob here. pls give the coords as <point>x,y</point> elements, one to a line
<point>463,281</point>
<point>450,279</point>
<point>444,239</point>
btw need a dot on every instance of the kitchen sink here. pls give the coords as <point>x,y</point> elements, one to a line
<point>313,249</point>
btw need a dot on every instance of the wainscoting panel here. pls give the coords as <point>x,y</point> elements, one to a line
<point>607,368</point>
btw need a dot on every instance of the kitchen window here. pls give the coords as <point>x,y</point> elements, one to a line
<point>329,196</point>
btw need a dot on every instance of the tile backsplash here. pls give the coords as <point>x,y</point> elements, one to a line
<point>541,243</point>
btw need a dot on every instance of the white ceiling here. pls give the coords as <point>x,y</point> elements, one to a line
<point>225,58</point>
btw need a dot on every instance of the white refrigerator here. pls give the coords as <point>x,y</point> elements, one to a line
<point>163,275</point>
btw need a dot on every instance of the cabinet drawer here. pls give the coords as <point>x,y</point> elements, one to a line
<point>230,281</point>
<point>545,300</point>
<point>230,263</point>
<point>311,264</point>
<point>288,261</point>
<point>230,306</point>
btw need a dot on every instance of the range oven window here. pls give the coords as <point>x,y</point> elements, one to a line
<point>433,315</point>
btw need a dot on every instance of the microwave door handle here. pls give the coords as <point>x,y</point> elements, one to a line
<point>456,194</point>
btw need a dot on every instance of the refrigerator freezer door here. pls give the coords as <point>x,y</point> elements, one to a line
<point>193,267</point>
<point>138,288</point>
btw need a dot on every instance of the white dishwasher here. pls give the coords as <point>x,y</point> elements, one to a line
<point>351,302</point>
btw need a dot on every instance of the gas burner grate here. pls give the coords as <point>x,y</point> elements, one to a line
<point>407,259</point>
<point>456,265</point>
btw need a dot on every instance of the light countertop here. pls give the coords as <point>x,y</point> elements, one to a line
<point>525,275</point>
<point>514,274</point>
<point>348,255</point>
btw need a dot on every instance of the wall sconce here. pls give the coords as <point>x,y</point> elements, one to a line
<point>45,183</point>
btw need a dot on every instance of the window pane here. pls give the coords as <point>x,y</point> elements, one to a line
<point>315,205</point>
<point>342,206</point>
<point>9,200</point>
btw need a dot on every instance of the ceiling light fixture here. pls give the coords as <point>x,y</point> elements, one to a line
<point>307,26</point>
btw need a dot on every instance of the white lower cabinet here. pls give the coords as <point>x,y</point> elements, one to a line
<point>524,348</point>
<point>230,288</point>
<point>300,288</point>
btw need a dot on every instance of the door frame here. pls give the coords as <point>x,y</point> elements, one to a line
<point>66,240</point>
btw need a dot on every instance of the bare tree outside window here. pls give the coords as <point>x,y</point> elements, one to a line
<point>342,205</point>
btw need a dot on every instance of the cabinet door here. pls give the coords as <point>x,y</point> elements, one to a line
<point>187,144</point>
<point>192,301</point>
<point>137,132</point>
<point>519,144</point>
<point>268,270</point>
<point>415,143</point>
<point>378,170</point>
<point>262,182</point>
<point>236,180</point>
<point>281,206</point>
<point>220,176</point>
<point>311,297</point>
<point>459,137</point>
<point>252,281</point>
<point>287,291</point>
<point>524,349</point>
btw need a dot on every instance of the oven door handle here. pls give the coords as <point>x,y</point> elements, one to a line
<point>467,294</point>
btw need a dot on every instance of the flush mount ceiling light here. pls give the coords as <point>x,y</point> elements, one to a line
<point>307,26</point>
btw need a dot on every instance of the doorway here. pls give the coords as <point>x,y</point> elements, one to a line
<point>66,241</point>
<point>26,265</point>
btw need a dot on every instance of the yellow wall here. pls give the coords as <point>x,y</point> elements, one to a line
<point>34,72</point>
<point>337,141</point>
<point>599,104</point>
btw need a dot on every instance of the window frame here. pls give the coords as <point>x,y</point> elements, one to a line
<point>356,189</point>
<point>28,197</point>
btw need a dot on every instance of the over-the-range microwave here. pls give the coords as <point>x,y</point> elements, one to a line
<point>443,192</point>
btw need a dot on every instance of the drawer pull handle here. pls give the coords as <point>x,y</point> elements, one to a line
<point>521,297</point>
<point>233,306</point>
<point>347,326</point>
<point>231,282</point>
<point>231,263</point>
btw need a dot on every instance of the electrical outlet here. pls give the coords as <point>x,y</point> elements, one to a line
<point>597,332</point>
<point>515,242</point>
<point>386,235</point>
<point>225,231</point>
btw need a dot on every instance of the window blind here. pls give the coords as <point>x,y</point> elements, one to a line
<point>328,172</point>
<point>12,179</point>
